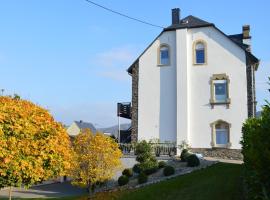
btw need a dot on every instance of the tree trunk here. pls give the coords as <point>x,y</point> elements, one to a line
<point>10,190</point>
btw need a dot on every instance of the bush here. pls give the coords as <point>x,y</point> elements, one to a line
<point>123,180</point>
<point>147,162</point>
<point>256,151</point>
<point>149,167</point>
<point>184,154</point>
<point>142,178</point>
<point>128,172</point>
<point>152,170</point>
<point>162,164</point>
<point>168,170</point>
<point>136,168</point>
<point>142,148</point>
<point>193,161</point>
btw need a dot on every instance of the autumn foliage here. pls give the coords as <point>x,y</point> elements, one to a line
<point>33,147</point>
<point>96,161</point>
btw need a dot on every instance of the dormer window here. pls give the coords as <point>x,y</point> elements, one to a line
<point>164,55</point>
<point>199,53</point>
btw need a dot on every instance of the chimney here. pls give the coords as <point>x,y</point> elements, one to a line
<point>246,30</point>
<point>81,121</point>
<point>175,16</point>
<point>246,36</point>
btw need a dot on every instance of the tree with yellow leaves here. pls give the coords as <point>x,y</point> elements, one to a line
<point>33,147</point>
<point>97,158</point>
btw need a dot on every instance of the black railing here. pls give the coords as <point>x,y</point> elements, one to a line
<point>124,110</point>
<point>159,149</point>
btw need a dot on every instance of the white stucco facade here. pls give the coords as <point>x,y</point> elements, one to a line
<point>174,100</point>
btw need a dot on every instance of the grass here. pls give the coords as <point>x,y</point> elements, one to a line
<point>221,181</point>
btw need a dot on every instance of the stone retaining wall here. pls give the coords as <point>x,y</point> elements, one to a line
<point>232,154</point>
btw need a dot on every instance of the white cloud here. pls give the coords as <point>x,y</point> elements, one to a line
<point>116,57</point>
<point>114,62</point>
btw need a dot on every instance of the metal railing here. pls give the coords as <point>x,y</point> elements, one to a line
<point>159,149</point>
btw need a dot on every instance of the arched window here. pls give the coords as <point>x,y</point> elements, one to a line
<point>220,134</point>
<point>199,52</point>
<point>164,55</point>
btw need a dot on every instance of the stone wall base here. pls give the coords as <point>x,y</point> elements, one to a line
<point>232,154</point>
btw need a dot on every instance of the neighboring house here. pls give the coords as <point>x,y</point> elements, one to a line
<point>194,83</point>
<point>113,131</point>
<point>77,126</point>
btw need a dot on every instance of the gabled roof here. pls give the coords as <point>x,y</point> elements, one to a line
<point>238,38</point>
<point>189,22</point>
<point>194,22</point>
<point>85,125</point>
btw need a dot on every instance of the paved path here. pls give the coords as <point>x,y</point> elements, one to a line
<point>45,191</point>
<point>224,160</point>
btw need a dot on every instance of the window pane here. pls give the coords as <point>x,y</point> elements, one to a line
<point>220,91</point>
<point>199,46</point>
<point>164,56</point>
<point>199,56</point>
<point>222,136</point>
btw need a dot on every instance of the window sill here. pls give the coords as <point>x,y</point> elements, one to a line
<point>227,102</point>
<point>221,146</point>
<point>163,65</point>
<point>199,64</point>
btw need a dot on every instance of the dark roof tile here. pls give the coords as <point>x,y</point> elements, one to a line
<point>86,125</point>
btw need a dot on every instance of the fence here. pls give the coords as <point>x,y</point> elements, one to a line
<point>159,149</point>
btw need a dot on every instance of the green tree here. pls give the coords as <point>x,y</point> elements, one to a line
<point>256,152</point>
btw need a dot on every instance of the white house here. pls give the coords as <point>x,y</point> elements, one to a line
<point>77,126</point>
<point>194,83</point>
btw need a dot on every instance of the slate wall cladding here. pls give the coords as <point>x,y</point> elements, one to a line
<point>251,98</point>
<point>233,154</point>
<point>134,109</point>
<point>254,103</point>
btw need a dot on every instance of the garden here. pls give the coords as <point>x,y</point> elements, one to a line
<point>149,170</point>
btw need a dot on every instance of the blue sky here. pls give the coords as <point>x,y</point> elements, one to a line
<point>70,57</point>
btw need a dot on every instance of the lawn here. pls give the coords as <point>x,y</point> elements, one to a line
<point>221,181</point>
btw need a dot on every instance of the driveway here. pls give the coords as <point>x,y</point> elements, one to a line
<point>45,191</point>
<point>56,190</point>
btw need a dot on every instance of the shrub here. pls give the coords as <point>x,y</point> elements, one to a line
<point>168,170</point>
<point>136,168</point>
<point>147,162</point>
<point>256,151</point>
<point>162,164</point>
<point>193,161</point>
<point>142,178</point>
<point>149,167</point>
<point>184,154</point>
<point>123,180</point>
<point>128,172</point>
<point>152,170</point>
<point>142,148</point>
